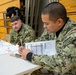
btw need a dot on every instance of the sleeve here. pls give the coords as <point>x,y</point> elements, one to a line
<point>64,61</point>
<point>28,36</point>
<point>12,38</point>
<point>29,56</point>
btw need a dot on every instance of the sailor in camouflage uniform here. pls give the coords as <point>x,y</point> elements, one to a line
<point>60,28</point>
<point>21,33</point>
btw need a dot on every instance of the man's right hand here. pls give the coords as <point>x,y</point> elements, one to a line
<point>21,48</point>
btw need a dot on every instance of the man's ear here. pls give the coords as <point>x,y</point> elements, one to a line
<point>60,22</point>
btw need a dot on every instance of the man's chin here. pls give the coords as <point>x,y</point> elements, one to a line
<point>16,30</point>
<point>49,32</point>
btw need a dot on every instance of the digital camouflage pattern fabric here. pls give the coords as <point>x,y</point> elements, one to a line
<point>26,33</point>
<point>64,63</point>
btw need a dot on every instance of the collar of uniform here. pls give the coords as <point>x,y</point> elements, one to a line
<point>20,28</point>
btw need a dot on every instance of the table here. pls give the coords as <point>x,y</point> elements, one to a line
<point>16,66</point>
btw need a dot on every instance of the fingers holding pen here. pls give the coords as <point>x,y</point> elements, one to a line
<point>23,51</point>
<point>21,48</point>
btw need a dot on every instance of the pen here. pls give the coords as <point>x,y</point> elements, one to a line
<point>21,41</point>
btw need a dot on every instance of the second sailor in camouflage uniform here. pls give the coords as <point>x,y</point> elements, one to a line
<point>60,28</point>
<point>21,32</point>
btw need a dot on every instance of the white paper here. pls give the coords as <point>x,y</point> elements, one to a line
<point>43,47</point>
<point>6,47</point>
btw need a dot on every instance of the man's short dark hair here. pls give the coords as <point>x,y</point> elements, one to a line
<point>55,10</point>
<point>14,18</point>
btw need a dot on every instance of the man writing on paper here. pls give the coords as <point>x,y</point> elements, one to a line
<point>60,28</point>
<point>21,33</point>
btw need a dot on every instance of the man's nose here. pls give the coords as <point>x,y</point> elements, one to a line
<point>13,26</point>
<point>44,26</point>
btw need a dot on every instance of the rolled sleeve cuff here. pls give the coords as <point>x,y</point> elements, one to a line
<point>29,56</point>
